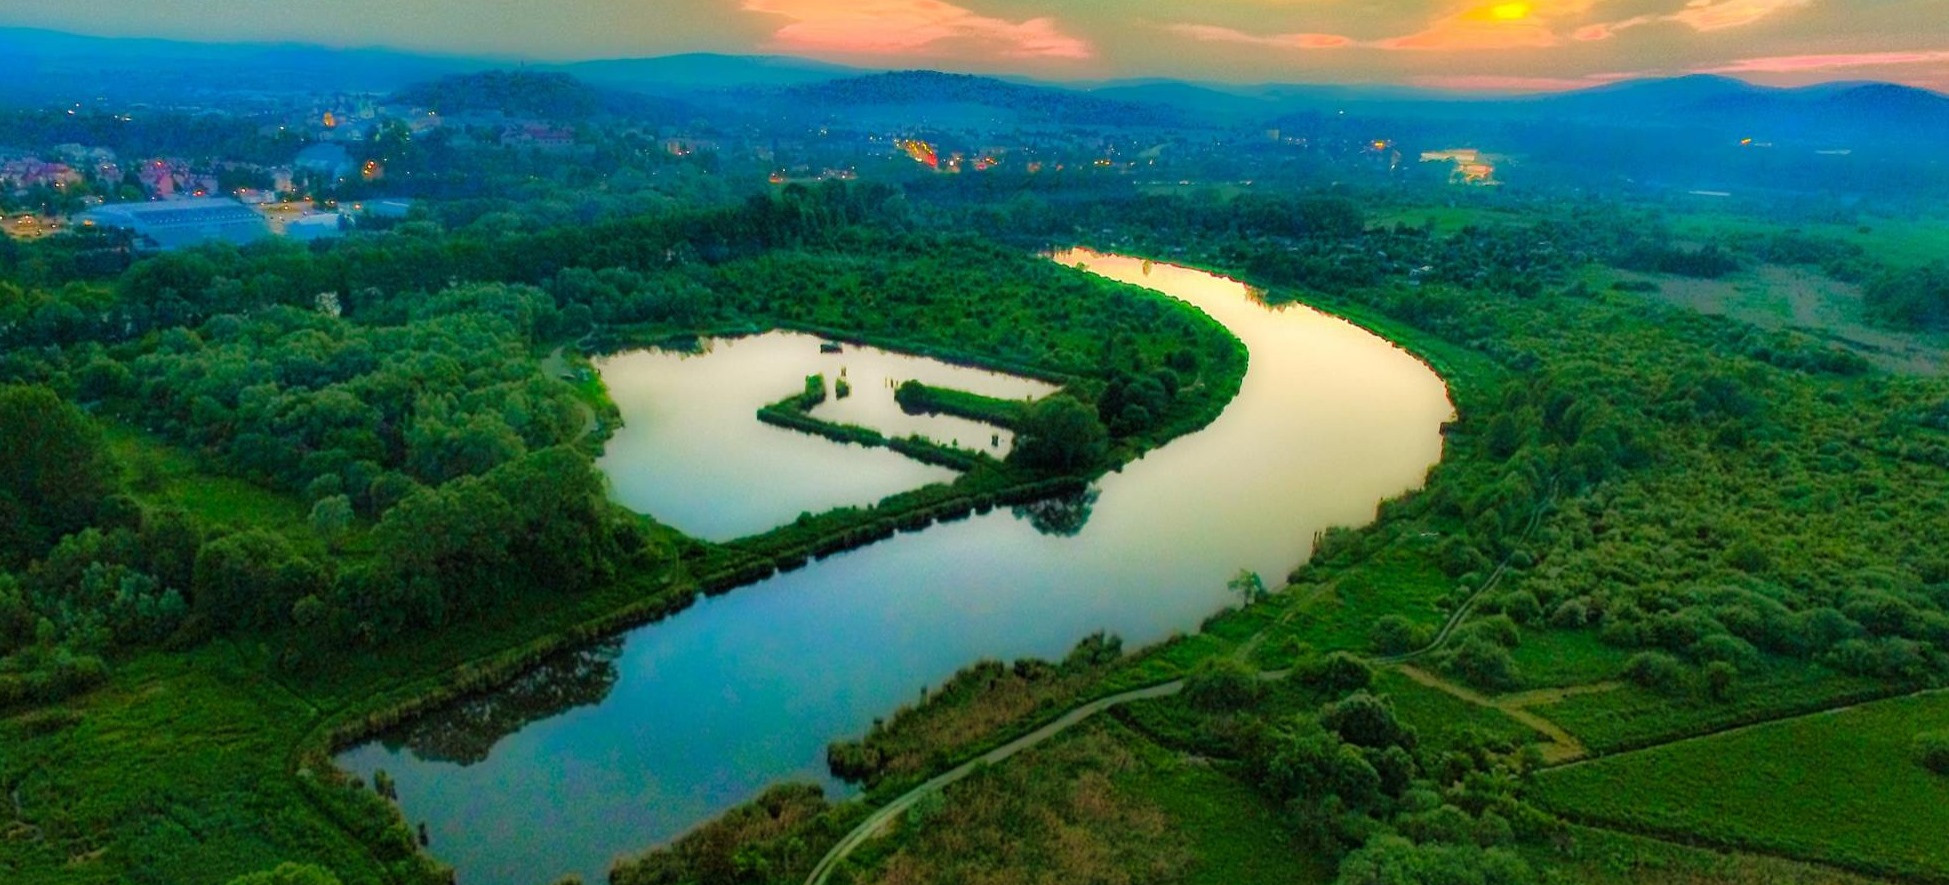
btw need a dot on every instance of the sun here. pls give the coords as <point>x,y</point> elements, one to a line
<point>1509,12</point>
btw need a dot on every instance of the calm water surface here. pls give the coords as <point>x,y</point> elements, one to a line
<point>632,743</point>
<point>691,453</point>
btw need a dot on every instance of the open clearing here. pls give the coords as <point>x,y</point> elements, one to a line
<point>1774,297</point>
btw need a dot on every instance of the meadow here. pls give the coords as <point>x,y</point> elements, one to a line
<point>1840,786</point>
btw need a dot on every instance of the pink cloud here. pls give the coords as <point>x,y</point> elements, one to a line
<point>910,27</point>
<point>1215,34</point>
<point>1701,15</point>
<point>1793,64</point>
<point>1473,26</point>
<point>1715,15</point>
<point>1607,30</point>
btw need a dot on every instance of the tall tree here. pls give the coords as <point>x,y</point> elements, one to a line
<point>55,471</point>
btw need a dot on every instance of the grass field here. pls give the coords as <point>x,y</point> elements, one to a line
<point>1837,787</point>
<point>1236,834</point>
<point>1098,804</point>
<point>1557,658</point>
<point>1897,242</point>
<point>1448,219</point>
<point>164,475</point>
<point>1443,720</point>
<point>1402,579</point>
<point>1799,298</point>
<point>186,758</point>
<point>1635,717</point>
<point>1608,857</point>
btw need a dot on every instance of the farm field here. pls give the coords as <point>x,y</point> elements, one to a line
<point>1840,787</point>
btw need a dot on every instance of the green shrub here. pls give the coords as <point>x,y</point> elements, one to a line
<point>1656,670</point>
<point>1483,663</point>
<point>1932,751</point>
<point>1367,720</point>
<point>1499,629</point>
<point>1336,674</point>
<point>1222,685</point>
<point>1721,678</point>
<point>1521,606</point>
<point>1394,635</point>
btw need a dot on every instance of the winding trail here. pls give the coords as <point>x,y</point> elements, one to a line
<point>878,821</point>
<point>1564,746</point>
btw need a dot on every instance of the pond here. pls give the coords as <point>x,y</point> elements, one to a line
<point>630,744</point>
<point>691,454</point>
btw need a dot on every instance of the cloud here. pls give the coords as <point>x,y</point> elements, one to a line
<point>1701,15</point>
<point>1215,34</point>
<point>1496,25</point>
<point>1794,64</point>
<point>1715,15</point>
<point>910,27</point>
<point>1607,30</point>
<point>1492,26</point>
<point>1474,27</point>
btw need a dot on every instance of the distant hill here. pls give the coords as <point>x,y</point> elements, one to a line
<point>545,95</point>
<point>515,93</point>
<point>1029,103</point>
<point>1839,113</point>
<point>704,70</point>
<point>50,65</point>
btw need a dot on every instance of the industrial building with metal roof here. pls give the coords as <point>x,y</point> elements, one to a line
<point>178,224</point>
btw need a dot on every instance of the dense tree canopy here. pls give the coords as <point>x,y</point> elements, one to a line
<point>55,473</point>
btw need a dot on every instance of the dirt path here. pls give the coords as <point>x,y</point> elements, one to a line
<point>879,820</point>
<point>1563,747</point>
<point>555,366</point>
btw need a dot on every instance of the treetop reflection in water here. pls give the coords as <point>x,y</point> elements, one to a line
<point>467,730</point>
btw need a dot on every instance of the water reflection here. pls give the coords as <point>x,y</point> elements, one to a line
<point>692,453</point>
<point>1062,516</point>
<point>465,732</point>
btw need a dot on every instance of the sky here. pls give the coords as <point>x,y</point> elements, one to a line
<point>1462,44</point>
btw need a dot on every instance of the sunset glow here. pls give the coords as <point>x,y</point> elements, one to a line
<point>1399,41</point>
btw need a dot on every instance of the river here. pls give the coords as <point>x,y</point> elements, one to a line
<point>631,743</point>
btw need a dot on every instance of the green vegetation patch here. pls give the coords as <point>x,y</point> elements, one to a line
<point>1557,658</point>
<point>1446,721</point>
<point>1635,716</point>
<point>1056,813</point>
<point>177,771</point>
<point>1839,787</point>
<point>1236,834</point>
<point>1610,857</point>
<point>1401,579</point>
